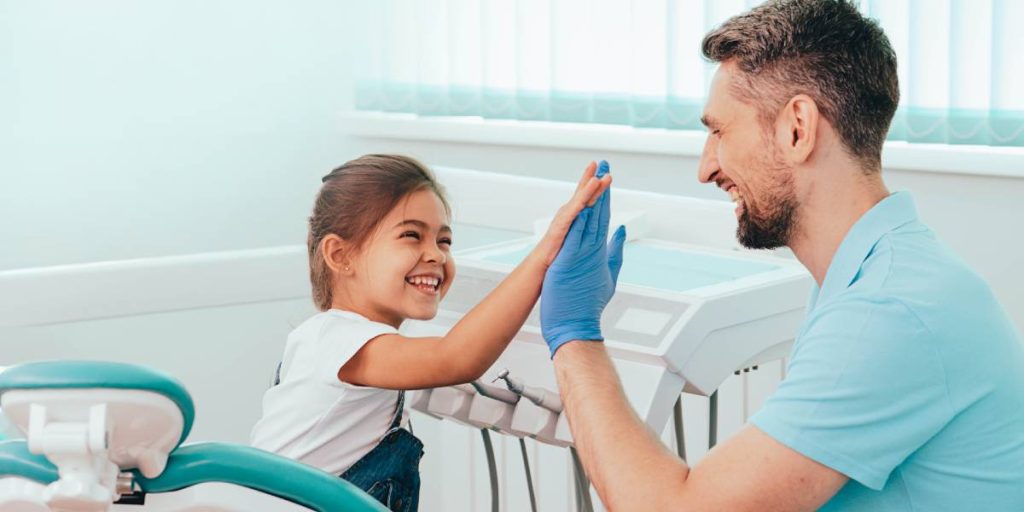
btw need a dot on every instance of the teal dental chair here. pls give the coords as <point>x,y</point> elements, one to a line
<point>107,437</point>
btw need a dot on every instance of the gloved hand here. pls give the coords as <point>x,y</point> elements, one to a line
<point>581,280</point>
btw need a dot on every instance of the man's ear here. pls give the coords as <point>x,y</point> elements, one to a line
<point>797,128</point>
<point>336,252</point>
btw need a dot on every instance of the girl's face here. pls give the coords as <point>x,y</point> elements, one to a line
<point>405,268</point>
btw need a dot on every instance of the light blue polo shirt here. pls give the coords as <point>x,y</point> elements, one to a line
<point>907,376</point>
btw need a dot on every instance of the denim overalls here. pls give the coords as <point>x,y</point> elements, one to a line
<point>390,472</point>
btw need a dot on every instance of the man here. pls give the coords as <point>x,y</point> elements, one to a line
<point>905,388</point>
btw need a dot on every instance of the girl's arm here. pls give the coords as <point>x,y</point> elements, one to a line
<point>393,361</point>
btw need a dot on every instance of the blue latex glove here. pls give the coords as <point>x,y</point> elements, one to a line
<point>581,280</point>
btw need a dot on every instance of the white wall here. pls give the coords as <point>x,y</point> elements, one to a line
<point>132,129</point>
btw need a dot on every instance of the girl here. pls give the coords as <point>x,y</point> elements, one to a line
<point>379,253</point>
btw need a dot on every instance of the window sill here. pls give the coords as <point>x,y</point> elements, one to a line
<point>937,158</point>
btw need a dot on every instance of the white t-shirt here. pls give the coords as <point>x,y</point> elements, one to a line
<point>312,416</point>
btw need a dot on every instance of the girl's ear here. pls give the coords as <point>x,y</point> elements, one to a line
<point>335,251</point>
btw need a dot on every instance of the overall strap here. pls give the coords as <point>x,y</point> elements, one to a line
<point>399,409</point>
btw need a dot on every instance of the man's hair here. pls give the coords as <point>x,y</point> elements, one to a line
<point>822,48</point>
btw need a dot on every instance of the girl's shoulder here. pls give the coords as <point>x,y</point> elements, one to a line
<point>337,323</point>
<point>326,341</point>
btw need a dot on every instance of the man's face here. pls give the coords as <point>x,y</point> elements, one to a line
<point>741,157</point>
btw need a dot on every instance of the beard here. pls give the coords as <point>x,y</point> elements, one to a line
<point>772,226</point>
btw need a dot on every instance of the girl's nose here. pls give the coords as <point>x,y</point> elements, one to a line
<point>434,254</point>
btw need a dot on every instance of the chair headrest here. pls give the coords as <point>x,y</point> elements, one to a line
<point>48,375</point>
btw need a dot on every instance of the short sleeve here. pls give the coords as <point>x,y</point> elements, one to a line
<point>341,336</point>
<point>864,389</point>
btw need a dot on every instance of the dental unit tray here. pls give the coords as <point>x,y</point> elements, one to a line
<point>690,309</point>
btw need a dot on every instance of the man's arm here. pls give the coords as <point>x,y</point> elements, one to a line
<point>632,470</point>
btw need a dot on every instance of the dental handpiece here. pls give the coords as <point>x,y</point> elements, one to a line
<point>539,396</point>
<point>495,393</point>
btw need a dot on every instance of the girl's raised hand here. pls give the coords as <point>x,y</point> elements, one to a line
<point>592,184</point>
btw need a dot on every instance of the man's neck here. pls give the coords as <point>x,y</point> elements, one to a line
<point>827,212</point>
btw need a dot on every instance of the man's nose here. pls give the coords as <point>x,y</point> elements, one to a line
<point>708,167</point>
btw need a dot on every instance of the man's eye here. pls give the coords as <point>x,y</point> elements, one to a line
<point>412,234</point>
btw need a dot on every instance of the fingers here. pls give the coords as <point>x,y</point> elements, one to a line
<point>593,231</point>
<point>592,188</point>
<point>587,174</point>
<point>569,212</point>
<point>598,231</point>
<point>583,196</point>
<point>615,253</point>
<point>604,182</point>
<point>590,231</point>
<point>576,230</point>
<point>602,174</point>
<point>604,214</point>
<point>597,171</point>
<point>592,234</point>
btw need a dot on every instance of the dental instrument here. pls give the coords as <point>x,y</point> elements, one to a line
<point>495,393</point>
<point>542,397</point>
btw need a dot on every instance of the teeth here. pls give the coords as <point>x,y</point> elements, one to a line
<point>424,280</point>
<point>734,195</point>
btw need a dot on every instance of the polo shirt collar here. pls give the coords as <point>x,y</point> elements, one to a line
<point>889,214</point>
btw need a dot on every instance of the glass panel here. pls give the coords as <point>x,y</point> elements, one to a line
<point>469,236</point>
<point>674,270</point>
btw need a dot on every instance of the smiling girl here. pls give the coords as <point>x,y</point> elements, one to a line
<point>379,242</point>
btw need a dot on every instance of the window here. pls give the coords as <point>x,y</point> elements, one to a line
<point>638,62</point>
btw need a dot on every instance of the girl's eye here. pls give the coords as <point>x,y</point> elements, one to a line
<point>447,241</point>
<point>412,234</point>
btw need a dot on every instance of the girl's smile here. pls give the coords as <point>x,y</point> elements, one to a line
<point>429,283</point>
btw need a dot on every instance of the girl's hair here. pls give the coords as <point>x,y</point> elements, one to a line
<point>353,200</point>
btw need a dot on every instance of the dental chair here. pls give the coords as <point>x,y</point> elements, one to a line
<point>107,437</point>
